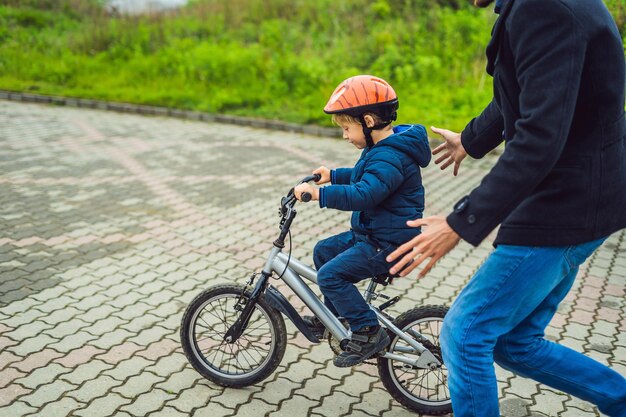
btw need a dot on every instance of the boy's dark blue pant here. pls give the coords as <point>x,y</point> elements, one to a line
<point>343,260</point>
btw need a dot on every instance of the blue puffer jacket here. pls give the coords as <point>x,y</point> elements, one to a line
<point>384,189</point>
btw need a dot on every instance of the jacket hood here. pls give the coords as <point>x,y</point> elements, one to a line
<point>412,140</point>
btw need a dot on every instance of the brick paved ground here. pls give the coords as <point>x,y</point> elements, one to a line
<point>111,223</point>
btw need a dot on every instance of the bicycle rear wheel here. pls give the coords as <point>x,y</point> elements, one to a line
<point>250,359</point>
<point>422,390</point>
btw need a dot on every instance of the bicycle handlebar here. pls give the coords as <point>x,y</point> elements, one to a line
<point>306,197</point>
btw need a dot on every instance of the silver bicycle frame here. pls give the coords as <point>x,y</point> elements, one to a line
<point>292,275</point>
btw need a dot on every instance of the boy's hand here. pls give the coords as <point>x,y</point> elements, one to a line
<point>302,188</point>
<point>324,173</point>
<point>452,148</point>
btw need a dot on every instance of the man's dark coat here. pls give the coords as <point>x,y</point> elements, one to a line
<point>558,70</point>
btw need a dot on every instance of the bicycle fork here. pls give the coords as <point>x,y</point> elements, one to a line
<point>235,331</point>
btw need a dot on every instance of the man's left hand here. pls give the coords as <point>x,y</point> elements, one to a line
<point>435,241</point>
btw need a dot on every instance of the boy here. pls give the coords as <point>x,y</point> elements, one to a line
<point>383,190</point>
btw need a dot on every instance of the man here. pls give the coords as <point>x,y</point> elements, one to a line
<point>558,190</point>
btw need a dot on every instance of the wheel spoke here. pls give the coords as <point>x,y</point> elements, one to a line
<point>244,352</point>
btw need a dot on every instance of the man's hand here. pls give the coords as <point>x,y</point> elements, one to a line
<point>302,188</point>
<point>436,240</point>
<point>324,173</point>
<point>453,151</point>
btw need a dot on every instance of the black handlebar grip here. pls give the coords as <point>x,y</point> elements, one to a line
<point>317,177</point>
<point>306,197</point>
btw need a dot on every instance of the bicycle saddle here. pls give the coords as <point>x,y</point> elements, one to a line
<point>387,278</point>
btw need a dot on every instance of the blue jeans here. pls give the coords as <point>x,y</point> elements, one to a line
<point>343,260</point>
<point>501,315</point>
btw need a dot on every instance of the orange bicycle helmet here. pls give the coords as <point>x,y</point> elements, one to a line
<point>365,94</point>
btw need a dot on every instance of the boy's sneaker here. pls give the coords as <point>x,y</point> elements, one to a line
<point>315,325</point>
<point>363,345</point>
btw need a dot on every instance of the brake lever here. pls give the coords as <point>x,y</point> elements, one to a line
<point>314,177</point>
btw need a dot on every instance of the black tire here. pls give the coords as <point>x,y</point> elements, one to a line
<point>401,380</point>
<point>252,358</point>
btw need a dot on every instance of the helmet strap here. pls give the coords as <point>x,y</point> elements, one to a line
<point>367,131</point>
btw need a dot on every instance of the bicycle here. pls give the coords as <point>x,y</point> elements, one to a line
<point>235,336</point>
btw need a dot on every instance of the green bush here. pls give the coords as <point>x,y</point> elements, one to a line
<point>276,59</point>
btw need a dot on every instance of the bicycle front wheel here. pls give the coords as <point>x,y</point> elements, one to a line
<point>250,359</point>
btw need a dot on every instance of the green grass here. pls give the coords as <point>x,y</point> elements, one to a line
<point>276,59</point>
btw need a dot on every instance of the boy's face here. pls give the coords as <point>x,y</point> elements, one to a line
<point>353,133</point>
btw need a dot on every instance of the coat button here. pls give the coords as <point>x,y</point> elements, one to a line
<point>471,219</point>
<point>461,204</point>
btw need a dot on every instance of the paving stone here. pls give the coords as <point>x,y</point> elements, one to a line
<point>575,412</point>
<point>234,398</point>
<point>277,391</point>
<point>73,341</point>
<point>318,386</point>
<point>67,328</point>
<point>134,310</point>
<point>114,338</point>
<point>57,303</point>
<point>86,371</point>
<point>120,352</point>
<point>359,413</point>
<point>549,402</point>
<point>514,407</point>
<point>8,375</point>
<point>296,405</point>
<point>194,397</point>
<point>60,316</point>
<point>376,399</point>
<point>36,360</point>
<point>394,412</point>
<point>7,358</point>
<point>168,365</point>
<point>337,403</point>
<point>357,385</point>
<point>138,384</point>
<point>94,388</point>
<point>78,356</point>
<point>137,324</point>
<point>577,405</point>
<point>97,313</point>
<point>24,321</point>
<point>212,410</point>
<point>47,393</point>
<point>16,408</point>
<point>128,368</point>
<point>104,406</point>
<point>169,412</point>
<point>148,402</point>
<point>159,349</point>
<point>105,325</point>
<point>19,306</point>
<point>523,387</point>
<point>179,381</point>
<point>303,368</point>
<point>42,376</point>
<point>604,328</point>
